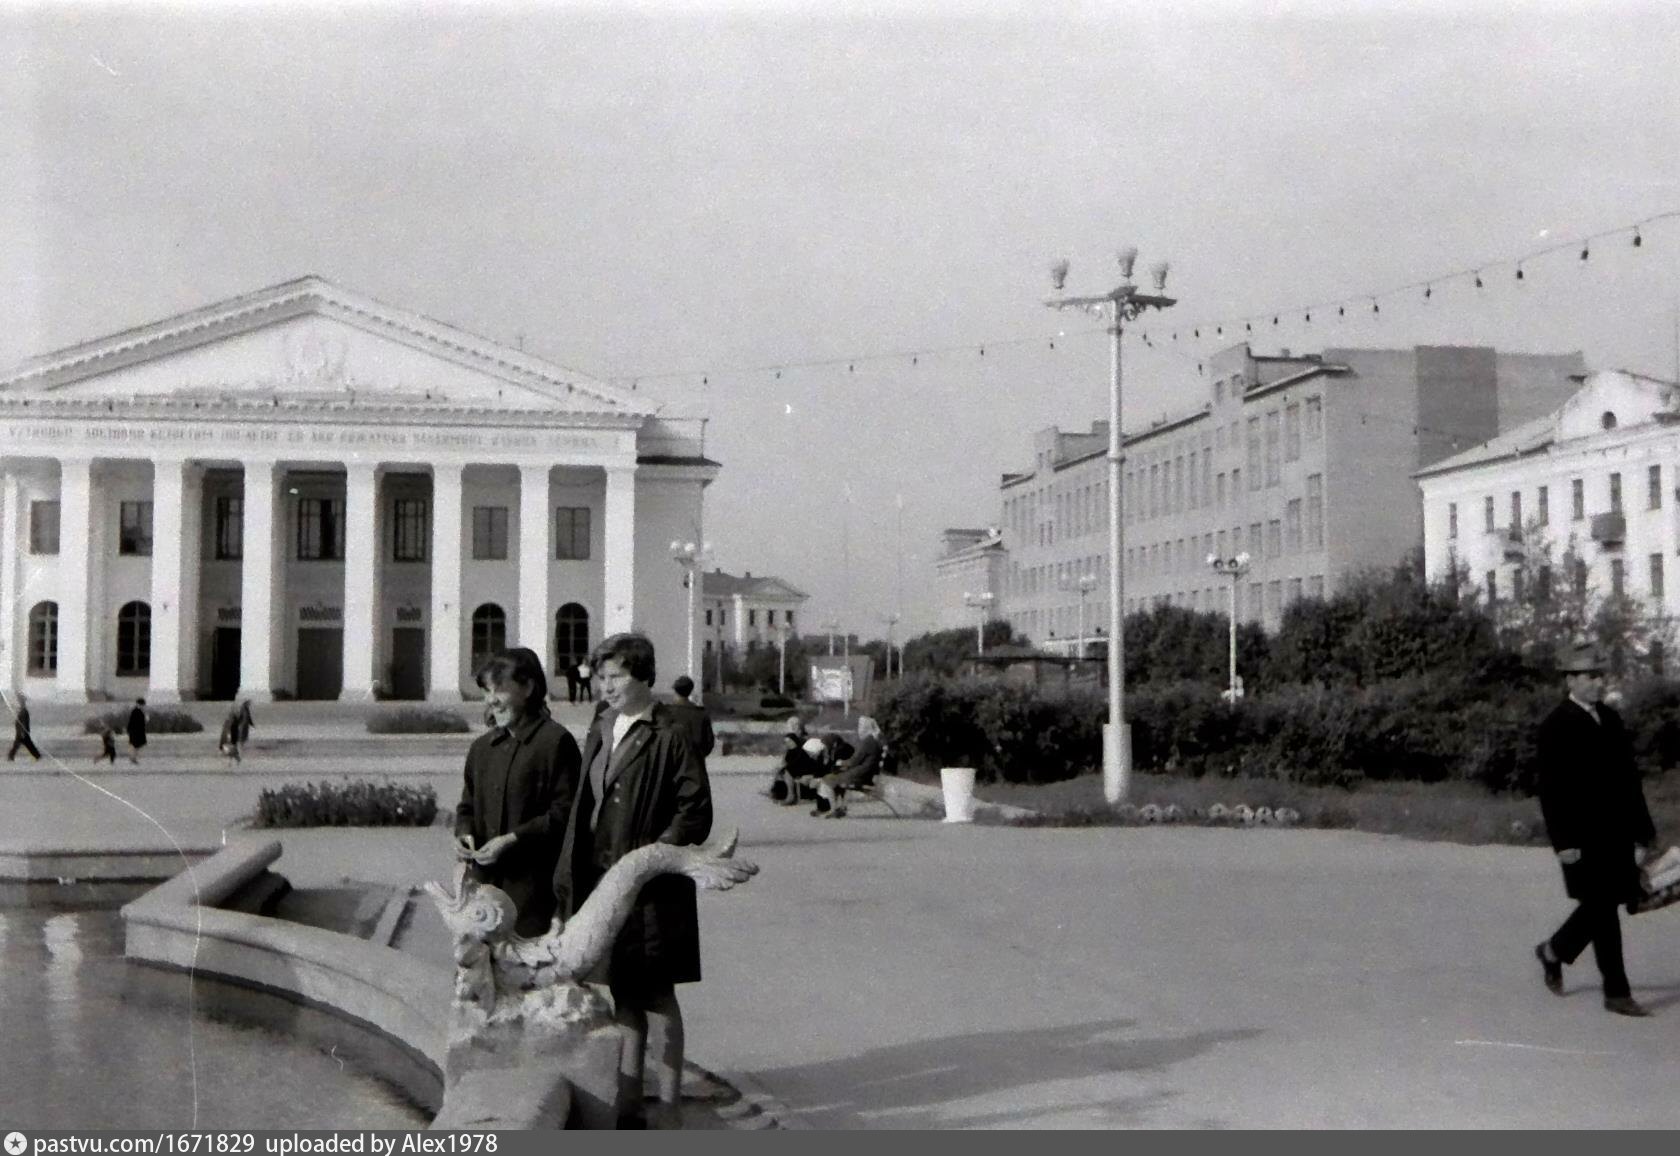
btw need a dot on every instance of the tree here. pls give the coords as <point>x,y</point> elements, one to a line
<point>945,651</point>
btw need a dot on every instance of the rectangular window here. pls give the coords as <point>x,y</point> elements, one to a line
<point>1543,584</point>
<point>1516,511</point>
<point>1254,453</point>
<point>1178,485</point>
<point>1487,513</point>
<point>1517,585</point>
<point>1315,418</point>
<point>1236,484</point>
<point>43,527</point>
<point>408,541</point>
<point>1543,506</point>
<point>1452,519</point>
<point>1315,511</point>
<point>1580,577</point>
<point>1315,587</point>
<point>1615,493</point>
<point>752,618</point>
<point>1207,474</point>
<point>1274,538</point>
<point>1292,433</point>
<point>1195,477</point>
<point>571,533</point>
<point>1656,576</point>
<point>708,618</point>
<point>1292,526</point>
<point>1220,549</point>
<point>135,529</point>
<point>1616,583</point>
<point>1274,598</point>
<point>1254,547</point>
<point>1274,448</point>
<point>1255,593</point>
<point>1492,586</point>
<point>1578,499</point>
<point>1653,488</point>
<point>320,530</point>
<point>230,528</point>
<point>490,534</point>
<point>1294,591</point>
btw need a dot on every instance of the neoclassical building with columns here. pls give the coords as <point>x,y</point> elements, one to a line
<point>303,492</point>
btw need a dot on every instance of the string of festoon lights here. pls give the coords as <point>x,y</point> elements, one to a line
<point>1181,339</point>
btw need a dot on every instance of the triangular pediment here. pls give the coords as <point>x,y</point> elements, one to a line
<point>1614,399</point>
<point>310,340</point>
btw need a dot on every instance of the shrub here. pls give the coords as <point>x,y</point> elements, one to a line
<point>159,721</point>
<point>417,721</point>
<point>356,803</point>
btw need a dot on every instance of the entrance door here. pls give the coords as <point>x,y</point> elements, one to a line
<point>320,662</point>
<point>408,662</point>
<point>224,662</point>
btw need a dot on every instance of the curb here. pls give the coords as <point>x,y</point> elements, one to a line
<point>752,1109</point>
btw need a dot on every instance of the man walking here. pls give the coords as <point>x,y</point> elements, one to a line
<point>692,717</point>
<point>20,731</point>
<point>1597,820</point>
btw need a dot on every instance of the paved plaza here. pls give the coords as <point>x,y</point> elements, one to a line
<point>885,972</point>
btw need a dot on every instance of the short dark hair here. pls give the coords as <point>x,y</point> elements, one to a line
<point>631,650</point>
<point>684,685</point>
<point>515,664</point>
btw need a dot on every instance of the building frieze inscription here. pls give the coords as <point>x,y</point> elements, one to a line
<point>62,434</point>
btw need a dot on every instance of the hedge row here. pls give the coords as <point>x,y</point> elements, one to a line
<point>1411,729</point>
<point>159,721</point>
<point>356,803</point>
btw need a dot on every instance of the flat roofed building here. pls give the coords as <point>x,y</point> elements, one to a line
<point>305,492</point>
<point>1304,462</point>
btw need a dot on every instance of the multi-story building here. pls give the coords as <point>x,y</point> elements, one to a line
<point>1590,487</point>
<point>739,612</point>
<point>1304,461</point>
<point>970,573</point>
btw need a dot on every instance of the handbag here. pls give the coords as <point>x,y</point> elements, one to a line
<point>1659,878</point>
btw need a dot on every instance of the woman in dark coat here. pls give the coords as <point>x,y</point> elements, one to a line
<point>521,777</point>
<point>1596,818</point>
<point>642,784</point>
<point>136,730</point>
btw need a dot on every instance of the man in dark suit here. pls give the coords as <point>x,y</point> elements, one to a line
<point>20,732</point>
<point>1598,822</point>
<point>693,718</point>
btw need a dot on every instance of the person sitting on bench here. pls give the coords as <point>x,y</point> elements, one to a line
<point>857,771</point>
<point>797,767</point>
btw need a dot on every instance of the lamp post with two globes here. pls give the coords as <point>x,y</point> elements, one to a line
<point>691,556</point>
<point>1233,568</point>
<point>1119,305</point>
<point>981,602</point>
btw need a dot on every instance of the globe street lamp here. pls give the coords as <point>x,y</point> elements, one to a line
<point>981,602</point>
<point>1121,304</point>
<point>1233,568</point>
<point>691,556</point>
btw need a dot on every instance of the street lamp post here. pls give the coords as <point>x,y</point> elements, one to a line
<point>690,556</point>
<point>892,634</point>
<point>781,658</point>
<point>1121,304</point>
<point>981,602</point>
<point>1233,568</point>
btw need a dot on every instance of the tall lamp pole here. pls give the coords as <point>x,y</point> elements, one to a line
<point>1233,568</point>
<point>981,602</point>
<point>781,658</point>
<point>1119,305</point>
<point>690,556</point>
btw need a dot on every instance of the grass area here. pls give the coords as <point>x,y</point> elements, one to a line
<point>1451,812</point>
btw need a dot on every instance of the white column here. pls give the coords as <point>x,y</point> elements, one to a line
<point>536,551</point>
<point>192,559</point>
<point>445,639</point>
<point>11,545</point>
<point>361,581</point>
<point>258,571</point>
<point>75,555</point>
<point>169,586</point>
<point>619,572</point>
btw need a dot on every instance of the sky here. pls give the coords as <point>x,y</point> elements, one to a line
<point>686,197</point>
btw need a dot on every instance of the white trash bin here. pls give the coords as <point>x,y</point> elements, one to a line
<point>958,783</point>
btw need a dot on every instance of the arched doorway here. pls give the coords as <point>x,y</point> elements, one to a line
<point>571,635</point>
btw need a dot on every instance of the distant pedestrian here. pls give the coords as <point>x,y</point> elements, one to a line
<point>107,743</point>
<point>571,679</point>
<point>692,717</point>
<point>1597,820</point>
<point>20,731</point>
<point>586,688</point>
<point>136,730</point>
<point>245,723</point>
<point>228,744</point>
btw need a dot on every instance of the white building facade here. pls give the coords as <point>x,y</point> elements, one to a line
<point>306,493</point>
<point>1594,481</point>
<point>741,612</point>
